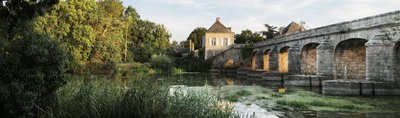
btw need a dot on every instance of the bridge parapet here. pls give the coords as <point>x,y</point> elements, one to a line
<point>387,19</point>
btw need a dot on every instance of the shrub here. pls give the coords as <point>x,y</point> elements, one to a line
<point>31,70</point>
<point>107,68</point>
<point>191,63</point>
<point>162,63</point>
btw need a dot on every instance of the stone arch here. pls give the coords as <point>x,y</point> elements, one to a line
<point>308,59</point>
<point>254,60</point>
<point>350,59</point>
<point>284,59</point>
<point>397,60</point>
<point>266,60</point>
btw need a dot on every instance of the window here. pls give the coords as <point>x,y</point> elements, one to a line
<point>214,42</point>
<point>226,41</point>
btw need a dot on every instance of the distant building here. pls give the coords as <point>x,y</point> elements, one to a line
<point>293,27</point>
<point>217,39</point>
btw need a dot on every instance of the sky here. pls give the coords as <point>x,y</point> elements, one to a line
<point>182,16</point>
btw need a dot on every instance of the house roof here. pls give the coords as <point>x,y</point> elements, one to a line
<point>218,27</point>
<point>292,28</point>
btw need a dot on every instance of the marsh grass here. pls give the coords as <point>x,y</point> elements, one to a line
<point>238,95</point>
<point>97,97</point>
<point>300,99</point>
<point>294,104</point>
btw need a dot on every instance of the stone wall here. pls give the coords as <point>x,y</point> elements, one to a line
<point>309,59</point>
<point>230,58</point>
<point>350,59</point>
<point>397,61</point>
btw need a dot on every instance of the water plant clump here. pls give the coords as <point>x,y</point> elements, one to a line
<point>100,97</point>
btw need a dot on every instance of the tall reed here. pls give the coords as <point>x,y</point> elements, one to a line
<point>96,97</point>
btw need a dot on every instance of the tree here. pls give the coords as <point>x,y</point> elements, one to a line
<point>148,39</point>
<point>271,31</point>
<point>32,66</point>
<point>130,18</point>
<point>110,31</point>
<point>72,27</point>
<point>247,36</point>
<point>175,43</point>
<point>196,36</point>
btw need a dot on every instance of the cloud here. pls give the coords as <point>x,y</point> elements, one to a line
<point>182,16</point>
<point>355,9</point>
<point>187,3</point>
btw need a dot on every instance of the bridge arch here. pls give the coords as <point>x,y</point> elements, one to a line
<point>350,59</point>
<point>308,61</point>
<point>266,60</point>
<point>284,59</point>
<point>397,60</point>
<point>254,60</point>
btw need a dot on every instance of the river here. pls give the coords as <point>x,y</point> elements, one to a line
<point>255,108</point>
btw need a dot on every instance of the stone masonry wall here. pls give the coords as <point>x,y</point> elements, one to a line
<point>309,59</point>
<point>350,59</point>
<point>397,61</point>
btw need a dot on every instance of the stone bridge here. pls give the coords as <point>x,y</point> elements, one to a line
<point>362,50</point>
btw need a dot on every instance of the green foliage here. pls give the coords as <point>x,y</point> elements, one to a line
<point>31,69</point>
<point>107,68</point>
<point>293,104</point>
<point>276,95</point>
<point>243,93</point>
<point>271,31</point>
<point>247,51</point>
<point>162,63</point>
<point>191,63</point>
<point>196,36</point>
<point>237,95</point>
<point>247,37</point>
<point>71,23</point>
<point>148,39</point>
<point>95,32</point>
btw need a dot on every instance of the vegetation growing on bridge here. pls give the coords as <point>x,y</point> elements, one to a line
<point>247,51</point>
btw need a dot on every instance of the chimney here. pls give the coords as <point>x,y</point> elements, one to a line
<point>218,19</point>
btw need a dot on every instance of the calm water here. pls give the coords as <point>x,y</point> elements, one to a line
<point>248,110</point>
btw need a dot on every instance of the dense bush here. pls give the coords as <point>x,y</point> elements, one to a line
<point>31,70</point>
<point>192,63</point>
<point>107,68</point>
<point>162,63</point>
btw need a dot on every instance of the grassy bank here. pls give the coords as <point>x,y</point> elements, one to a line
<point>97,97</point>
